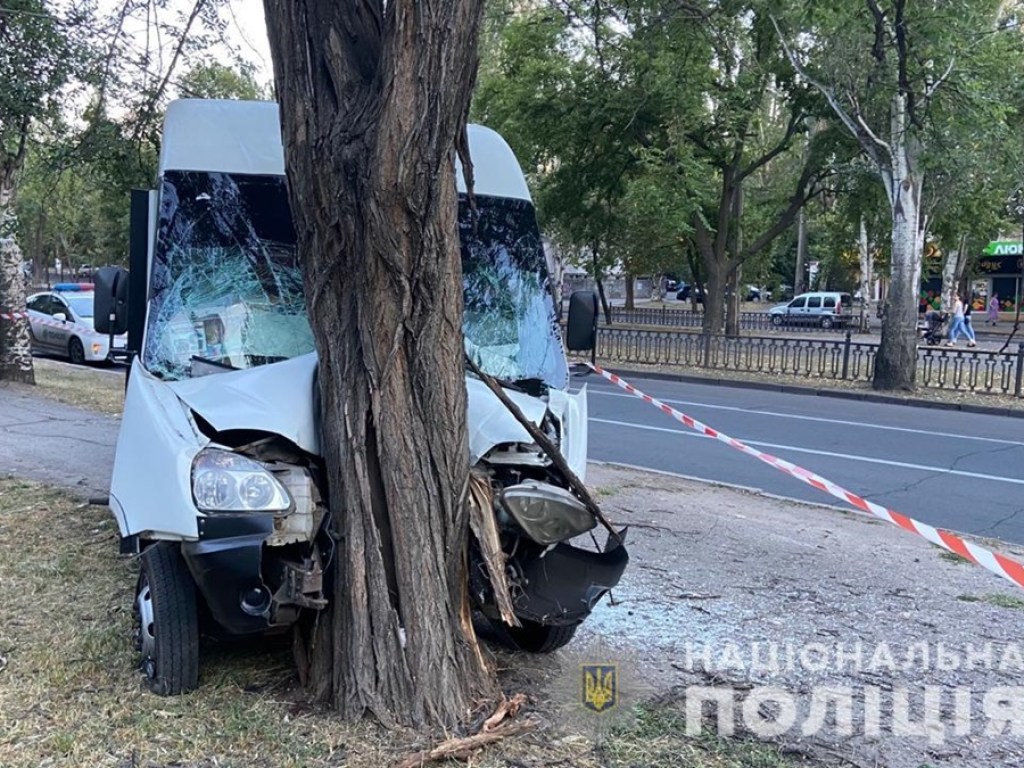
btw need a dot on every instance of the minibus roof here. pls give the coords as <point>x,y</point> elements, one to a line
<point>244,137</point>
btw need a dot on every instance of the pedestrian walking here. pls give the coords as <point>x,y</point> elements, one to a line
<point>968,327</point>
<point>993,310</point>
<point>958,327</point>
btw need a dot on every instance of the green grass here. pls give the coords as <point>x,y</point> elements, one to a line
<point>997,599</point>
<point>94,388</point>
<point>953,557</point>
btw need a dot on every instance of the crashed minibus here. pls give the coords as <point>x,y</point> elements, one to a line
<point>218,483</point>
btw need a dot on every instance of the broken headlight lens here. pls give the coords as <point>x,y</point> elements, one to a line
<point>223,481</point>
<point>546,513</point>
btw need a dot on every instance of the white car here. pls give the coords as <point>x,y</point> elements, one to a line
<point>60,322</point>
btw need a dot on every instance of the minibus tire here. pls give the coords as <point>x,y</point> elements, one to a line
<point>540,638</point>
<point>169,645</point>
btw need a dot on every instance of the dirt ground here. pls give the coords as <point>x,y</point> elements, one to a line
<point>715,570</point>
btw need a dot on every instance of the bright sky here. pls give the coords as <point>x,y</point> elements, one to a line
<point>248,30</point>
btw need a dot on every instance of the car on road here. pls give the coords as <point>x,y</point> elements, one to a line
<point>61,322</point>
<point>826,309</point>
<point>686,290</point>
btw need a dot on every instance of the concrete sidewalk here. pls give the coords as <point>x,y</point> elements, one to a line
<point>54,443</point>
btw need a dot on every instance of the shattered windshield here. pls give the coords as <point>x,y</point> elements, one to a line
<point>225,285</point>
<point>510,324</point>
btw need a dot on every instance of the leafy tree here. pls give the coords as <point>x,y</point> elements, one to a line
<point>888,70</point>
<point>374,99</point>
<point>221,81</point>
<point>35,60</point>
<point>645,120</point>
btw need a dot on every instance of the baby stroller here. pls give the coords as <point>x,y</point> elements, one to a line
<point>933,327</point>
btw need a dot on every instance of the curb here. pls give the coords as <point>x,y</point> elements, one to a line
<point>798,389</point>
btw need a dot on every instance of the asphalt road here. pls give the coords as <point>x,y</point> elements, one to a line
<point>954,470</point>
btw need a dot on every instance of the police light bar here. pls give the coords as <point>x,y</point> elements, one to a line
<point>67,287</point>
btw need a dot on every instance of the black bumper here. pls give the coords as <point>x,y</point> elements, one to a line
<point>226,563</point>
<point>562,586</point>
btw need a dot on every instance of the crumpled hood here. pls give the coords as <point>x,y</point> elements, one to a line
<point>278,398</point>
<point>274,398</point>
<point>490,422</point>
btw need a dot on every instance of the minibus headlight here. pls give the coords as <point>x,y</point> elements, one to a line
<point>546,513</point>
<point>223,481</point>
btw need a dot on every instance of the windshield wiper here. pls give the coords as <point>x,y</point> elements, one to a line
<point>207,366</point>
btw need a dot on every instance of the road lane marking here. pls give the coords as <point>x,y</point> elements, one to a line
<point>831,454</point>
<point>778,415</point>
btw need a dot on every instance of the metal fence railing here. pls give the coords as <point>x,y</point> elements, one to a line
<point>670,317</point>
<point>965,370</point>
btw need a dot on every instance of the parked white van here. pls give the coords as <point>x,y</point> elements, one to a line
<point>827,309</point>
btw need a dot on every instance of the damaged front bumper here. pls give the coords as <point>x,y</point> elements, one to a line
<point>561,585</point>
<point>249,587</point>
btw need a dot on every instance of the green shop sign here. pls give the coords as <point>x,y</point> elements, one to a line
<point>1003,248</point>
<point>1001,257</point>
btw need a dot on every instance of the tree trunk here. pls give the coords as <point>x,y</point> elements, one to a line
<point>734,280</point>
<point>867,273</point>
<point>630,291</point>
<point>732,302</point>
<point>373,100</point>
<point>801,253</point>
<point>15,345</point>
<point>896,363</point>
<point>954,265</point>
<point>714,297</point>
<point>605,307</point>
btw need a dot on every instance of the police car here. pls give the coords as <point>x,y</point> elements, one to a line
<point>60,322</point>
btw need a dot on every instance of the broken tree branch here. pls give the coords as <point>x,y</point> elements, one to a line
<point>464,746</point>
<point>485,528</point>
<point>508,708</point>
<point>548,447</point>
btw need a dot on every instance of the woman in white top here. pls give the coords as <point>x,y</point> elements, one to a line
<point>958,326</point>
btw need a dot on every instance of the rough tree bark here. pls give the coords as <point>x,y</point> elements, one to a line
<point>374,98</point>
<point>867,272</point>
<point>954,265</point>
<point>15,347</point>
<point>896,364</point>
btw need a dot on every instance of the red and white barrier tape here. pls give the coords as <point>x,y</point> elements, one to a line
<point>1001,565</point>
<point>13,315</point>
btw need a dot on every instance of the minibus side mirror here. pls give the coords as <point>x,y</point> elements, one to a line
<point>110,301</point>
<point>581,328</point>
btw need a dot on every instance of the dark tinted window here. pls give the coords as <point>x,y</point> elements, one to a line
<point>830,302</point>
<point>814,302</point>
<point>798,303</point>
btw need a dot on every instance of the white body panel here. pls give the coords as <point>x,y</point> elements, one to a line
<point>151,489</point>
<point>245,137</point>
<point>274,398</point>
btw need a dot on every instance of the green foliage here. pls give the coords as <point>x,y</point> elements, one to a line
<point>73,199</point>
<point>35,63</point>
<point>219,81</point>
<point>639,121</point>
